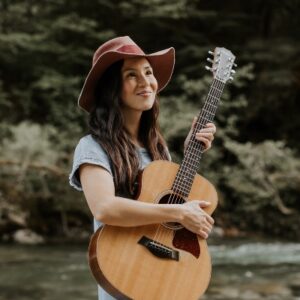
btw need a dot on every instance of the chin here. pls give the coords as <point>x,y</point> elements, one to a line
<point>148,107</point>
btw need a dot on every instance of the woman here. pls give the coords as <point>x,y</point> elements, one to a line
<point>120,95</point>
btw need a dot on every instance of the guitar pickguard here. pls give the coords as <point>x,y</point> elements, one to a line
<point>187,241</point>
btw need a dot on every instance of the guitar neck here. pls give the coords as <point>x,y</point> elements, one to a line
<point>193,152</point>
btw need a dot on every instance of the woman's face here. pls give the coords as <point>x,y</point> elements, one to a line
<point>139,86</point>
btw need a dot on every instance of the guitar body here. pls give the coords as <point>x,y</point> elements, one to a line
<point>126,269</point>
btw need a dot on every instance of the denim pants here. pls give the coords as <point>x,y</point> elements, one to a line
<point>103,295</point>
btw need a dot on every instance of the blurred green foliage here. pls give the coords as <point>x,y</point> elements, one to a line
<point>46,50</point>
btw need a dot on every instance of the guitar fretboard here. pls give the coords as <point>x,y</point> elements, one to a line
<point>194,150</point>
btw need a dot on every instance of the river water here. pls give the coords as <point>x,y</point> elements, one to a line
<point>241,270</point>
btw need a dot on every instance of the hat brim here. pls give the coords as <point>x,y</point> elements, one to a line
<point>162,63</point>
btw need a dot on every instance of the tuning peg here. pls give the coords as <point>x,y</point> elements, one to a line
<point>235,65</point>
<point>210,60</point>
<point>208,68</point>
<point>231,78</point>
<point>232,72</point>
<point>210,52</point>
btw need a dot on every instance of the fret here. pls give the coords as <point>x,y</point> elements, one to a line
<point>192,157</point>
<point>181,193</point>
<point>191,160</point>
<point>181,190</point>
<point>215,88</point>
<point>184,176</point>
<point>211,106</point>
<point>216,91</point>
<point>218,86</point>
<point>213,94</point>
<point>194,166</point>
<point>211,110</point>
<point>196,146</point>
<point>190,164</point>
<point>214,97</point>
<point>195,150</point>
<point>187,166</point>
<point>207,120</point>
<point>208,112</point>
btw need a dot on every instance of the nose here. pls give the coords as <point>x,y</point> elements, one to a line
<point>143,80</point>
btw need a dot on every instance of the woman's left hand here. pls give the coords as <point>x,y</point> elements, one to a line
<point>205,135</point>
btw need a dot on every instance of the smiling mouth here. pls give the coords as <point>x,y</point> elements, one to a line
<point>144,93</point>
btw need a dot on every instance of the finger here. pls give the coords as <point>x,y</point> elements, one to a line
<point>208,135</point>
<point>203,234</point>
<point>209,219</point>
<point>207,229</point>
<point>194,122</point>
<point>208,130</point>
<point>210,124</point>
<point>211,127</point>
<point>205,141</point>
<point>206,226</point>
<point>203,203</point>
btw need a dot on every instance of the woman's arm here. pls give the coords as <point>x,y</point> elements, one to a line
<point>98,187</point>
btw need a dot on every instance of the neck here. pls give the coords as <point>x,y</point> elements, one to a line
<point>190,164</point>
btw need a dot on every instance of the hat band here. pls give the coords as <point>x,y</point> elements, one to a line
<point>131,49</point>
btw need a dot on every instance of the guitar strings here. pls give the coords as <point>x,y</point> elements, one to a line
<point>209,108</point>
<point>194,145</point>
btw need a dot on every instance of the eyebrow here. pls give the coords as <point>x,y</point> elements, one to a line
<point>133,69</point>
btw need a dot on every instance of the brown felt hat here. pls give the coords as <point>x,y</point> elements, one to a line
<point>162,63</point>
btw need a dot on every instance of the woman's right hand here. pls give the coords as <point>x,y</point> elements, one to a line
<point>196,219</point>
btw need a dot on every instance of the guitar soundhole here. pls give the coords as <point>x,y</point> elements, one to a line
<point>171,198</point>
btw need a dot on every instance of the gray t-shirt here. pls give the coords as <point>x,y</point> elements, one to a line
<point>89,151</point>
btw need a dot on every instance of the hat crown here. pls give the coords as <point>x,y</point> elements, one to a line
<point>122,44</point>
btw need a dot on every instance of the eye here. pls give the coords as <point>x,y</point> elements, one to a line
<point>149,72</point>
<point>131,74</point>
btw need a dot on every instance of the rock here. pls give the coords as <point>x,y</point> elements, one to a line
<point>233,232</point>
<point>294,284</point>
<point>226,292</point>
<point>248,274</point>
<point>217,232</point>
<point>250,295</point>
<point>267,289</point>
<point>26,236</point>
<point>17,218</point>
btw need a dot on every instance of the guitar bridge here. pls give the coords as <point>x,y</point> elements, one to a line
<point>158,249</point>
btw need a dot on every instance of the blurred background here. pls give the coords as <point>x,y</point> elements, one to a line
<point>46,50</point>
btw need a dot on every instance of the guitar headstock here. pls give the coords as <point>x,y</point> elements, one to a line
<point>222,64</point>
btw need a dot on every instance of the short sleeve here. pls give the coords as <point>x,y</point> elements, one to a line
<point>87,151</point>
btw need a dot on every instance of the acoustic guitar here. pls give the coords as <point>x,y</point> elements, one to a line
<point>164,261</point>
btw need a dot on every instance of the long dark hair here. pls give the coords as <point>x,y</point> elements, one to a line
<point>106,125</point>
